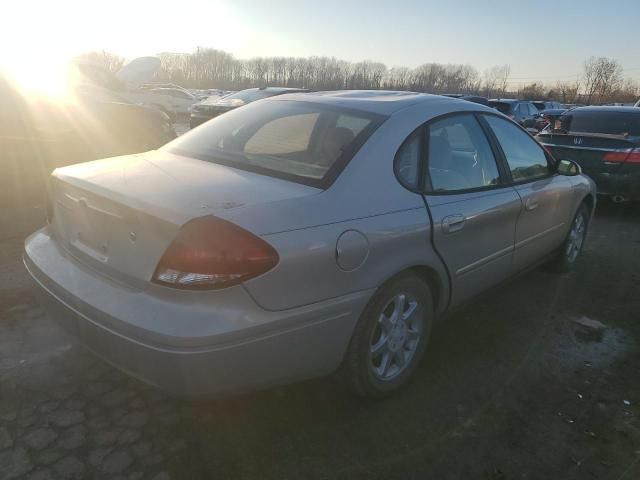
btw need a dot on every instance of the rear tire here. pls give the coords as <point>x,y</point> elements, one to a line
<point>390,337</point>
<point>574,242</point>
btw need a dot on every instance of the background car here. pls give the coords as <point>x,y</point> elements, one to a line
<point>520,111</point>
<point>211,108</point>
<point>129,83</point>
<point>300,235</point>
<point>546,105</point>
<point>181,100</point>
<point>605,142</point>
<point>469,98</point>
<point>548,117</point>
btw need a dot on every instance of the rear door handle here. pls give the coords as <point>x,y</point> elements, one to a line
<point>453,223</point>
<point>531,204</point>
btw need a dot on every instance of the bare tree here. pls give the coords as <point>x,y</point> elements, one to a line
<point>567,92</point>
<point>109,61</point>
<point>495,80</point>
<point>533,91</point>
<point>602,76</point>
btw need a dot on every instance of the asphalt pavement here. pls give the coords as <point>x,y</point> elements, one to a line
<point>536,380</point>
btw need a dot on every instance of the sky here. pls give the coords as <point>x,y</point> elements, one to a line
<point>541,41</point>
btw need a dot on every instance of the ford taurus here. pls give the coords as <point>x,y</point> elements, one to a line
<point>300,235</point>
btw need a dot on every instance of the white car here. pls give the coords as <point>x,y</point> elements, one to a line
<point>128,83</point>
<point>180,101</point>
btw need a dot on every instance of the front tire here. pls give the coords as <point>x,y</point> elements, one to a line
<point>390,337</point>
<point>573,244</point>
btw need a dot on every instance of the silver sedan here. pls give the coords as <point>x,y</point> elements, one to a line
<point>300,235</point>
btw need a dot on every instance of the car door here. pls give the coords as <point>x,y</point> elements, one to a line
<point>546,196</point>
<point>473,209</point>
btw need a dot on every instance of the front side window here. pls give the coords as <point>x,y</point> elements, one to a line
<point>525,157</point>
<point>459,155</point>
<point>295,140</point>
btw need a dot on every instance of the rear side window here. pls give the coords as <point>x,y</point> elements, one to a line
<point>298,141</point>
<point>525,157</point>
<point>611,123</point>
<point>459,155</point>
<point>407,161</point>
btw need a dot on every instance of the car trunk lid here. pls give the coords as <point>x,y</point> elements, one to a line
<point>589,150</point>
<point>119,215</point>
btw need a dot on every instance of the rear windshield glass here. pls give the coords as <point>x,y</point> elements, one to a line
<point>502,107</point>
<point>299,141</point>
<point>611,123</point>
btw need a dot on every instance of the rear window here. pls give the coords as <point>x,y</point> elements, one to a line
<point>299,141</point>
<point>502,107</point>
<point>611,123</point>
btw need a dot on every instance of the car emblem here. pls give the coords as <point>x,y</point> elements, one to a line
<point>577,140</point>
<point>132,236</point>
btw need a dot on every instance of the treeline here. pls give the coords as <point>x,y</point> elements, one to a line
<point>206,68</point>
<point>601,81</point>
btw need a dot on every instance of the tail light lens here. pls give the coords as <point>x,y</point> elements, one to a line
<point>628,156</point>
<point>210,253</point>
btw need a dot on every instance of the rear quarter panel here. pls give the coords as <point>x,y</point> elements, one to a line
<point>309,271</point>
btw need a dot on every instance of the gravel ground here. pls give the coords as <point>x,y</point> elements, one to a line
<point>511,388</point>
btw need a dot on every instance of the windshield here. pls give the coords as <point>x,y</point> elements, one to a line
<point>295,140</point>
<point>606,122</point>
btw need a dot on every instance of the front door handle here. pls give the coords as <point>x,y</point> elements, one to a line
<point>453,223</point>
<point>531,204</point>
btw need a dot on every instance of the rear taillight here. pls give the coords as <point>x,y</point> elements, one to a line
<point>211,253</point>
<point>624,156</point>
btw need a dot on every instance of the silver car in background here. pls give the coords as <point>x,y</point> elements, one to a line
<point>300,235</point>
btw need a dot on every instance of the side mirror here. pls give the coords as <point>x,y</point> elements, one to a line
<point>568,168</point>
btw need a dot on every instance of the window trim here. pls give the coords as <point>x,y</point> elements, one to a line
<point>503,158</point>
<point>425,186</point>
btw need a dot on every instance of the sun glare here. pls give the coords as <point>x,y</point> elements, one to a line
<point>41,78</point>
<point>36,64</point>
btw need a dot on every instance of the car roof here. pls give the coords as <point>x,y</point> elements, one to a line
<point>507,100</point>
<point>606,108</point>
<point>384,102</point>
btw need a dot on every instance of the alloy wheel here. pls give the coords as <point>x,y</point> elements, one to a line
<point>396,336</point>
<point>576,237</point>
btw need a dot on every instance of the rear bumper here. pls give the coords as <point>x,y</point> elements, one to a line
<point>191,345</point>
<point>625,183</point>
